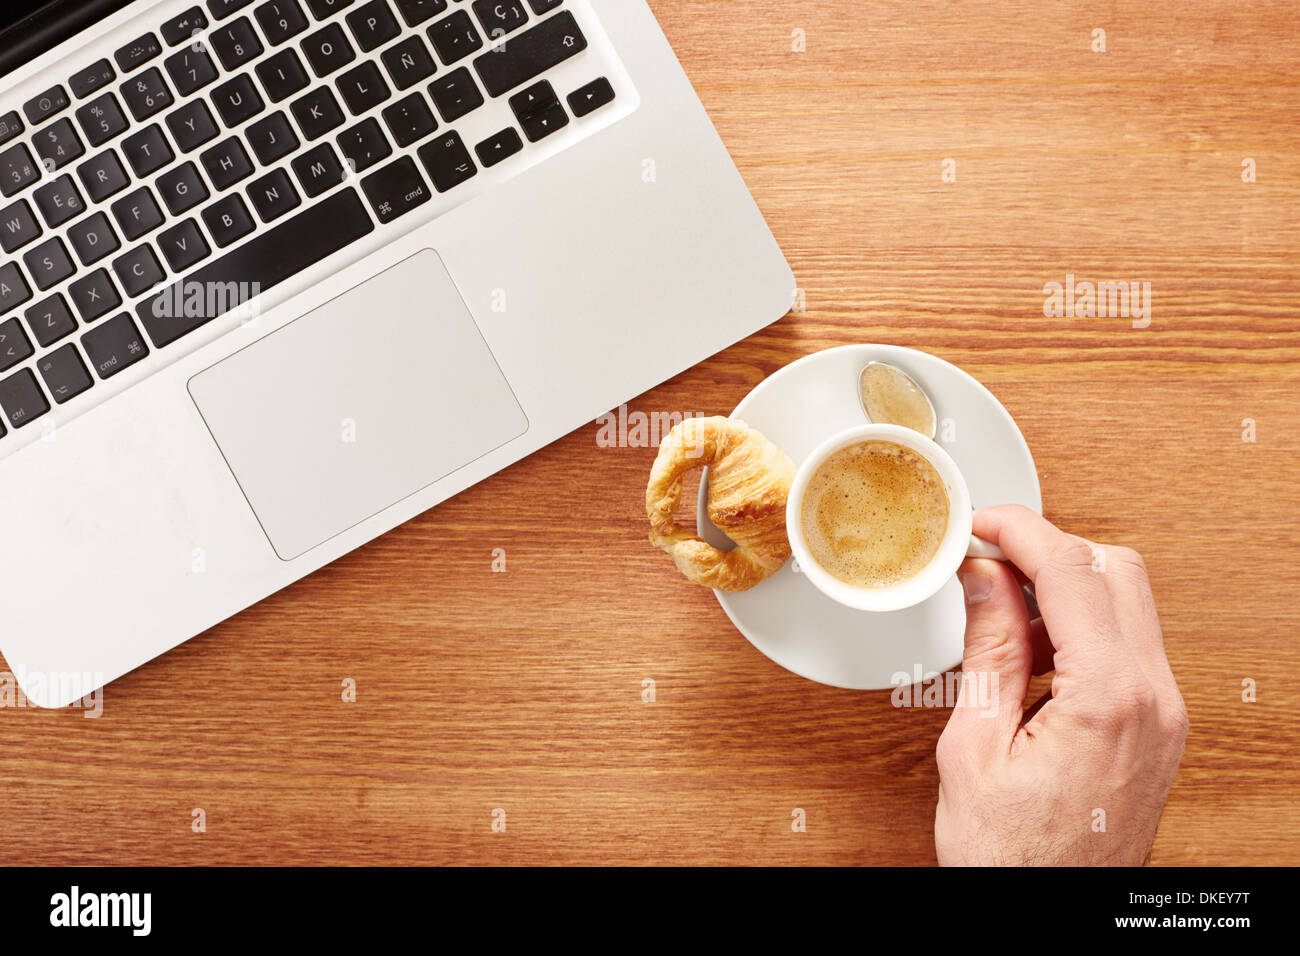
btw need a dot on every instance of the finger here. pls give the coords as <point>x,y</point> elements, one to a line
<point>1076,607</point>
<point>996,660</point>
<point>1125,576</point>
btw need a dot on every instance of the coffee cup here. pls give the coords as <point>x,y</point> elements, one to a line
<point>919,559</point>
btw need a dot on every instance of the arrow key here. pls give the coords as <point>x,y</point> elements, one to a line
<point>544,122</point>
<point>589,98</point>
<point>499,146</point>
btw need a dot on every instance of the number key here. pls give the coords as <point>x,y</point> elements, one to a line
<point>101,119</point>
<point>190,69</point>
<point>146,94</point>
<point>58,143</point>
<point>235,43</point>
<point>17,169</point>
<point>280,20</point>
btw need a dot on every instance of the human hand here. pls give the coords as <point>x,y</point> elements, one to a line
<point>1081,777</point>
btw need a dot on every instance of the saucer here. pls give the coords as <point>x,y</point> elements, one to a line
<point>789,620</point>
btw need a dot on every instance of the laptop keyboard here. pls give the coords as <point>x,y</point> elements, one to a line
<point>239,143</point>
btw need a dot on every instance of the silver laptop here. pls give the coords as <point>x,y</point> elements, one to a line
<point>279,275</point>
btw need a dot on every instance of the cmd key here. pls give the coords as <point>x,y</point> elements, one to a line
<point>396,189</point>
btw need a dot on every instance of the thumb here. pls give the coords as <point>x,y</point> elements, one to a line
<point>998,658</point>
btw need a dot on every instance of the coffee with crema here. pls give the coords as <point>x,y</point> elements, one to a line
<point>874,514</point>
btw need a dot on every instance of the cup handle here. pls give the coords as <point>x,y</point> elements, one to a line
<point>979,548</point>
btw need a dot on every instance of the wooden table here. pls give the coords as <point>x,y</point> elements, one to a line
<point>523,690</point>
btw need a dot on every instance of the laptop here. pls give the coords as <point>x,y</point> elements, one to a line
<point>280,275</point>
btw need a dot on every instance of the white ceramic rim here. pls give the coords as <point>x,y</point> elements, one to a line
<point>946,560</point>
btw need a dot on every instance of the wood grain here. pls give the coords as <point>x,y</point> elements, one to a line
<point>522,690</point>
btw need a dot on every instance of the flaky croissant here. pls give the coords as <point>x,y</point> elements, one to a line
<point>749,482</point>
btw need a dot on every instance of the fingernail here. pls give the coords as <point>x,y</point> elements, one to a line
<point>978,587</point>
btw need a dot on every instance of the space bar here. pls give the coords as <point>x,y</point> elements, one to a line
<point>264,261</point>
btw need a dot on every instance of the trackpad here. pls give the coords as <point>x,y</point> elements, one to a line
<point>358,404</point>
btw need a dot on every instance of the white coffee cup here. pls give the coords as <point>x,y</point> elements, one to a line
<point>957,544</point>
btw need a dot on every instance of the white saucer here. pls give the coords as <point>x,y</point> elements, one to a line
<point>793,623</point>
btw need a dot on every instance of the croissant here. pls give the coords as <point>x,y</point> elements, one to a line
<point>749,482</point>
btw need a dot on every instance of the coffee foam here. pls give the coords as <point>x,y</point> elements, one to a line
<point>874,514</point>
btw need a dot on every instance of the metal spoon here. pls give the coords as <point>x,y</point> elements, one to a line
<point>891,397</point>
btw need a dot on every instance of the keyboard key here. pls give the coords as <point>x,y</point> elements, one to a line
<point>282,75</point>
<point>146,94</point>
<point>138,270</point>
<point>137,213</point>
<point>533,99</point>
<point>10,126</point>
<point>93,238</point>
<point>589,98</point>
<point>50,320</point>
<point>272,138</point>
<point>14,346</point>
<point>455,95</point>
<point>59,201</point>
<point>544,6</point>
<point>57,144</point>
<point>499,146</point>
<point>227,163</point>
<point>235,43</point>
<point>183,26</point>
<point>181,188</point>
<point>273,195</point>
<point>363,88</point>
<point>102,175</point>
<point>228,219</point>
<point>317,113</point>
<point>280,20</point>
<point>544,122</point>
<point>318,170</point>
<point>364,145</point>
<point>190,70</point>
<point>13,287</point>
<point>17,226</point>
<point>328,50</point>
<point>237,100</point>
<point>408,62</point>
<point>49,263</point>
<point>499,17</point>
<point>454,37</point>
<point>17,169</point>
<point>22,399</point>
<point>531,53</point>
<point>147,151</point>
<point>266,260</point>
<point>64,373</point>
<point>101,119</point>
<point>447,160</point>
<point>415,12</point>
<point>220,9</point>
<point>183,245</point>
<point>114,346</point>
<point>373,24</point>
<point>192,125</point>
<point>46,105</point>
<point>94,295</point>
<point>323,9</point>
<point>138,51</point>
<point>409,120</point>
<point>91,79</point>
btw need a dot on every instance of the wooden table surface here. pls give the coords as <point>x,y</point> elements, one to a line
<point>522,691</point>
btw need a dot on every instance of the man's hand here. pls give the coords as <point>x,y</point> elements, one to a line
<point>1081,777</point>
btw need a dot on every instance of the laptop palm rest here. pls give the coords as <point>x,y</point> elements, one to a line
<point>363,401</point>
